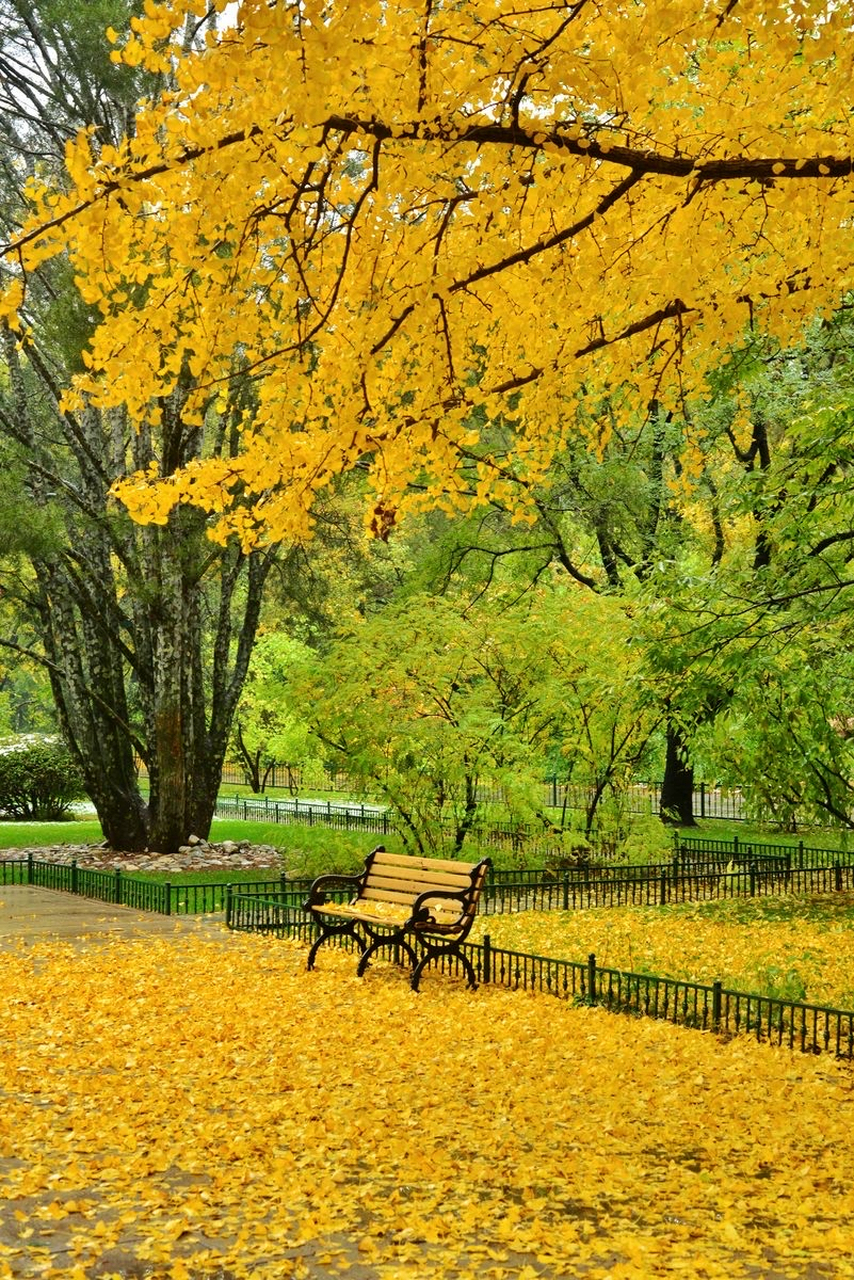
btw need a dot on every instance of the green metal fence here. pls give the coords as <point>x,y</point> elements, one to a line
<point>657,886</point>
<point>506,890</point>
<point>692,849</point>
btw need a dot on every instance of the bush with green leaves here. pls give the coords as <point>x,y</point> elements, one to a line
<point>39,780</point>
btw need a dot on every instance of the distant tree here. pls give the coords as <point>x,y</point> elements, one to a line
<point>269,731</point>
<point>435,705</point>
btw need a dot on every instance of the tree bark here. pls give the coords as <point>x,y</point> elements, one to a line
<point>147,631</point>
<point>677,788</point>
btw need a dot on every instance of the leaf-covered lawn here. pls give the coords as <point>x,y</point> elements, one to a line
<point>797,948</point>
<point>204,1107</point>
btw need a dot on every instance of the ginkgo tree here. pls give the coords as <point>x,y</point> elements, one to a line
<point>143,635</point>
<point>414,222</point>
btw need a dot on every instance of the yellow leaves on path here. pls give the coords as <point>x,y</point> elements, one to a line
<point>792,948</point>
<point>195,1104</point>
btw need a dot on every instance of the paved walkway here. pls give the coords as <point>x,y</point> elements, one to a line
<point>28,914</point>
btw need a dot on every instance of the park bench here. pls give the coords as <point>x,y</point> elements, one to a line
<point>424,907</point>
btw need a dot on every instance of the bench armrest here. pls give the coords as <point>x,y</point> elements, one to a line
<point>421,912</point>
<point>317,893</point>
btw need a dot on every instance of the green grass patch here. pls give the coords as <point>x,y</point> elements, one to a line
<point>306,851</point>
<point>747,832</point>
<point>243,875</point>
<point>34,835</point>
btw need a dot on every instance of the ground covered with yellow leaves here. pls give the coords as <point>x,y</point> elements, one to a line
<point>795,948</point>
<point>205,1107</point>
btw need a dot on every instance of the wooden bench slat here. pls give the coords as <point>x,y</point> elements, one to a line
<point>356,913</point>
<point>422,864</point>
<point>419,883</point>
<point>407,899</point>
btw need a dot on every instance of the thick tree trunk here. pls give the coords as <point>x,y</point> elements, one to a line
<point>677,788</point>
<point>147,635</point>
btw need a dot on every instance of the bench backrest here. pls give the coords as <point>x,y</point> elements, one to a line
<point>398,878</point>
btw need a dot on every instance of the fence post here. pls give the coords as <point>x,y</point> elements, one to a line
<point>800,855</point>
<point>554,791</point>
<point>168,887</point>
<point>702,799</point>
<point>487,958</point>
<point>662,888</point>
<point>735,846</point>
<point>73,875</point>
<point>837,875</point>
<point>591,978</point>
<point>716,1006</point>
<point>228,905</point>
<point>29,866</point>
<point>752,875</point>
<point>117,892</point>
<point>566,890</point>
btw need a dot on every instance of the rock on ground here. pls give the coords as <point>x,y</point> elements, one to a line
<point>196,855</point>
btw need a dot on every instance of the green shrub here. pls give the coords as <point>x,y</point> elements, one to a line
<point>38,780</point>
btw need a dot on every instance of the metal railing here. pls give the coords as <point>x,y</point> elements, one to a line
<point>710,801</point>
<point>697,872</point>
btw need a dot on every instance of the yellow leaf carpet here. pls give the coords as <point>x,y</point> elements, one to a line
<point>794,948</point>
<point>204,1107</point>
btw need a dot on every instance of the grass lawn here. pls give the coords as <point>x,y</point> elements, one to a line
<point>305,850</point>
<point>33,835</point>
<point>195,1108</point>
<point>311,851</point>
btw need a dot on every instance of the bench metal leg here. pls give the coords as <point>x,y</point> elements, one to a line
<point>379,942</point>
<point>334,931</point>
<point>435,953</point>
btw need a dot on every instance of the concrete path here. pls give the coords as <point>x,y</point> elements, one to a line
<point>29,915</point>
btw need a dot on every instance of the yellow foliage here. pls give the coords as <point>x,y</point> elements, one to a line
<point>206,1106</point>
<point>403,237</point>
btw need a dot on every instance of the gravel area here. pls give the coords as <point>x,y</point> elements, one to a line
<point>196,855</point>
